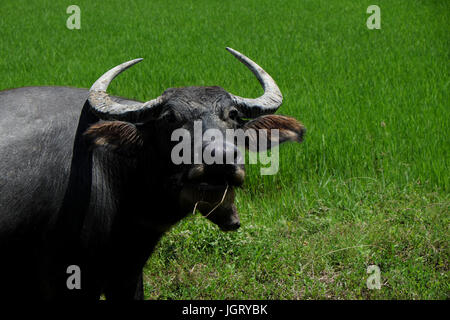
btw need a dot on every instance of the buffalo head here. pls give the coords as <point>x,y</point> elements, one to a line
<point>146,131</point>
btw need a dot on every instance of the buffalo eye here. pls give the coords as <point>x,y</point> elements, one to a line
<point>233,114</point>
<point>170,117</point>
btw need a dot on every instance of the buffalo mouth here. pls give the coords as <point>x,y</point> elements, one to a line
<point>214,198</point>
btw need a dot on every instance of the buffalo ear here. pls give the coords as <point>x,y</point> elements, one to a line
<point>289,129</point>
<point>119,136</point>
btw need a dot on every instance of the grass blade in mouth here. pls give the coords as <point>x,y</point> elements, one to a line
<point>216,206</point>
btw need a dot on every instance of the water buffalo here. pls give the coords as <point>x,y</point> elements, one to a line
<point>87,179</point>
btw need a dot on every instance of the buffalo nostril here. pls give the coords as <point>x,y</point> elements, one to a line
<point>238,176</point>
<point>196,172</point>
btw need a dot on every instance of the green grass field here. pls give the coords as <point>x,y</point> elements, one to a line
<point>370,184</point>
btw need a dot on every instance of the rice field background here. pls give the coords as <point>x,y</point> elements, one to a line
<point>370,184</point>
